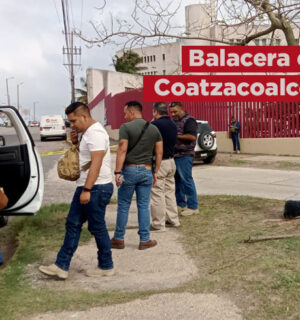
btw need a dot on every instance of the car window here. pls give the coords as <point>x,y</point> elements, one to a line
<point>8,133</point>
<point>204,127</point>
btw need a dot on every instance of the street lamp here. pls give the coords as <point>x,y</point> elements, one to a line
<point>7,91</point>
<point>35,102</point>
<point>18,97</point>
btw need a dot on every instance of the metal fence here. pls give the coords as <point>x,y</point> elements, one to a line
<point>258,119</point>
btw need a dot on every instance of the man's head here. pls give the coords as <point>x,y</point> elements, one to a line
<point>133,110</point>
<point>79,116</point>
<point>232,118</point>
<point>176,110</point>
<point>160,109</point>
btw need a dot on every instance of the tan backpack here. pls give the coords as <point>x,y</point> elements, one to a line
<point>68,165</point>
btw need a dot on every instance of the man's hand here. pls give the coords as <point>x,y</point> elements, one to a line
<point>85,197</point>
<point>74,136</point>
<point>154,179</point>
<point>117,178</point>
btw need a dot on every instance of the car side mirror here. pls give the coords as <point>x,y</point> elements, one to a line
<point>2,141</point>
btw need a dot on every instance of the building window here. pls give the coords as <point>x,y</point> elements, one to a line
<point>264,42</point>
<point>145,59</point>
<point>231,41</point>
<point>164,71</point>
<point>256,42</point>
<point>154,58</point>
<point>151,58</point>
<point>164,57</point>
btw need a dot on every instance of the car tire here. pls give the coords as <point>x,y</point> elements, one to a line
<point>206,140</point>
<point>42,139</point>
<point>209,159</point>
<point>3,221</point>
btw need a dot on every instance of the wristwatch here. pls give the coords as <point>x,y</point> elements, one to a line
<point>117,172</point>
<point>86,189</point>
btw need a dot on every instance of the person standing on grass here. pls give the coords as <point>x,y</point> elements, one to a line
<point>186,194</point>
<point>92,195</point>
<point>163,202</point>
<point>235,128</point>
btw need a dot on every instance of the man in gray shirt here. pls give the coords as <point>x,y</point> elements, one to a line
<point>138,141</point>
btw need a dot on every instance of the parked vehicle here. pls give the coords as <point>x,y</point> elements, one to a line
<point>52,127</point>
<point>206,144</point>
<point>21,168</point>
<point>33,124</point>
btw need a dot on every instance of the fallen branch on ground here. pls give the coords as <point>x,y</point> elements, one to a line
<point>284,236</point>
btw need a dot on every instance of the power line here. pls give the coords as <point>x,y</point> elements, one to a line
<point>56,11</point>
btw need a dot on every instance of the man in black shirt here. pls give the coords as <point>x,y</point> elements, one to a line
<point>163,201</point>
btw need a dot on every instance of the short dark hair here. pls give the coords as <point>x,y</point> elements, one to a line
<point>134,105</point>
<point>75,105</point>
<point>161,108</point>
<point>174,104</point>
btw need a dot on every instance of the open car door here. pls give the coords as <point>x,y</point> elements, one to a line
<point>21,172</point>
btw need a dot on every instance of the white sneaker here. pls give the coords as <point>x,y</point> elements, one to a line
<point>54,270</point>
<point>188,212</point>
<point>100,272</point>
<point>238,151</point>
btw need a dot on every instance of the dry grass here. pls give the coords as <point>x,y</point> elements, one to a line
<point>263,278</point>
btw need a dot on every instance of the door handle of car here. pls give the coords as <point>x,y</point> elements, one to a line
<point>8,156</point>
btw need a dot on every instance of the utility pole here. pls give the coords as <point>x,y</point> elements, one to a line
<point>18,95</point>
<point>35,102</point>
<point>72,53</point>
<point>7,91</point>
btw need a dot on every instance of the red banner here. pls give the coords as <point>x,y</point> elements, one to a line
<point>221,88</point>
<point>240,59</point>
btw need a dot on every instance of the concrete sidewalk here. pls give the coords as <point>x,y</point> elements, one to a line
<point>163,267</point>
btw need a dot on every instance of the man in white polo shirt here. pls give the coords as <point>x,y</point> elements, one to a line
<point>93,193</point>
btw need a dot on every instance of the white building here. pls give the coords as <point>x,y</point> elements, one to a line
<point>166,58</point>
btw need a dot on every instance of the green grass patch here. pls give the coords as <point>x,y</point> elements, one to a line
<point>238,161</point>
<point>262,278</point>
<point>36,236</point>
<point>287,164</point>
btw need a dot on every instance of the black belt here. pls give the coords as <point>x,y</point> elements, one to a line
<point>167,158</point>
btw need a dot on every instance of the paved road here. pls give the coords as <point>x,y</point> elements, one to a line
<point>265,183</point>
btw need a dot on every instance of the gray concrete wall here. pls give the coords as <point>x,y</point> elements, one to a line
<point>272,146</point>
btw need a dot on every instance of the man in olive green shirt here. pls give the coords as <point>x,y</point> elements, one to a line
<point>139,140</point>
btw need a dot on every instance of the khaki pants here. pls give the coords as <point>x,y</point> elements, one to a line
<point>163,201</point>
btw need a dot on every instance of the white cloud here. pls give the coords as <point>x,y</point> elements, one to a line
<point>31,51</point>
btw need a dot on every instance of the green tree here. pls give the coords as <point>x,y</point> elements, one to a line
<point>82,93</point>
<point>128,62</point>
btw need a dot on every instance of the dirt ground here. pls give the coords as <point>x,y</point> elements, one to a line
<point>170,306</point>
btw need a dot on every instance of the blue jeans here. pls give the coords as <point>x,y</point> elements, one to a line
<point>140,180</point>
<point>235,141</point>
<point>186,194</point>
<point>94,213</point>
